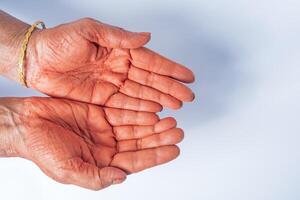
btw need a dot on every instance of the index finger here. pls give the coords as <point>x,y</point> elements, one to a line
<point>148,60</point>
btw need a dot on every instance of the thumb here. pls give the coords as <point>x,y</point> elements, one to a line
<point>113,37</point>
<point>91,177</point>
<point>109,176</point>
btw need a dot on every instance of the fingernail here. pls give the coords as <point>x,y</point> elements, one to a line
<point>193,96</point>
<point>161,109</point>
<point>118,180</point>
<point>145,33</point>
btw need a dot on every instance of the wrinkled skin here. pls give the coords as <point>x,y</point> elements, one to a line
<point>97,63</point>
<point>90,146</point>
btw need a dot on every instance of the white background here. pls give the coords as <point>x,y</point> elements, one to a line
<point>242,132</point>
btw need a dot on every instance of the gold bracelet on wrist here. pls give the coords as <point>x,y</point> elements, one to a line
<point>21,68</point>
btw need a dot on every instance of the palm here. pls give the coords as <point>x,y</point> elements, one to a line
<point>109,70</point>
<point>91,146</point>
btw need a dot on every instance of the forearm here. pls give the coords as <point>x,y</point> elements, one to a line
<point>10,128</point>
<point>12,32</point>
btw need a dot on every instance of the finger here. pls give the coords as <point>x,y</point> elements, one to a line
<point>132,162</point>
<point>137,90</point>
<point>148,60</point>
<point>168,137</point>
<point>89,176</point>
<point>119,61</point>
<point>123,101</point>
<point>118,117</point>
<point>113,37</point>
<point>162,83</point>
<point>136,132</point>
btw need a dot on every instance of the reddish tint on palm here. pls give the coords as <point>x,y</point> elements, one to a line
<point>90,146</point>
<point>97,63</point>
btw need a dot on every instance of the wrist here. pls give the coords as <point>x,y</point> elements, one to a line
<point>31,63</point>
<point>11,143</point>
<point>12,32</point>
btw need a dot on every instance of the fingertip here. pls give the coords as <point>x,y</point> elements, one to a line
<point>146,35</point>
<point>172,137</point>
<point>176,105</point>
<point>184,94</point>
<point>140,40</point>
<point>172,121</point>
<point>176,151</point>
<point>119,177</point>
<point>170,102</point>
<point>190,97</point>
<point>179,134</point>
<point>191,77</point>
<point>155,118</point>
<point>110,176</point>
<point>184,74</point>
<point>160,108</point>
<point>167,153</point>
<point>118,181</point>
<point>193,96</point>
<point>152,107</point>
<point>165,124</point>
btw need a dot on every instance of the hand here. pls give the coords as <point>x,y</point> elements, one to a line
<point>97,63</point>
<point>90,146</point>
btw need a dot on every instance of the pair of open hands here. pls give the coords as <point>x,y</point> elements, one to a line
<point>108,128</point>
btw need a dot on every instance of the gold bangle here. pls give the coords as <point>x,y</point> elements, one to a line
<point>21,68</point>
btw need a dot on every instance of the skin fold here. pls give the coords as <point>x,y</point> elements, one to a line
<point>84,144</point>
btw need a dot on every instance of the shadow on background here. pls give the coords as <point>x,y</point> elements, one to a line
<point>173,35</point>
